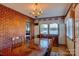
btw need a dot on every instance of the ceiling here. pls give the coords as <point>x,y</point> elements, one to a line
<point>49,9</point>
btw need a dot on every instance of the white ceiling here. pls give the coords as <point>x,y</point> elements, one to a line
<point>49,9</point>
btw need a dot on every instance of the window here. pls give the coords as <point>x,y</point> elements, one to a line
<point>28,28</point>
<point>69,25</point>
<point>28,31</point>
<point>49,29</point>
<point>53,29</point>
<point>44,29</point>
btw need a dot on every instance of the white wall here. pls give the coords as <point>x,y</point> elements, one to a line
<point>62,33</point>
<point>61,28</point>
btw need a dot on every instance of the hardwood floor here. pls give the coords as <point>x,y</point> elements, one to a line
<point>36,51</point>
<point>60,51</point>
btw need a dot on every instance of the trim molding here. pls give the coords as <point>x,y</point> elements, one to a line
<point>62,44</point>
<point>75,5</point>
<point>52,17</point>
<point>69,9</point>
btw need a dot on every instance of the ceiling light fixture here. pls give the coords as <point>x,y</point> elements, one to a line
<point>36,11</point>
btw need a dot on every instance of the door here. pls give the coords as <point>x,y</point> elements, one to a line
<point>44,42</point>
<point>44,31</point>
<point>53,32</point>
<point>50,31</point>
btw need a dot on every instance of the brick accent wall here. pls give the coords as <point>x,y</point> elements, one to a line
<point>12,23</point>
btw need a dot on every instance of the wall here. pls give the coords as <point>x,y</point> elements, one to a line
<point>36,32</point>
<point>70,45</point>
<point>12,23</point>
<point>61,28</point>
<point>62,33</point>
<point>70,42</point>
<point>77,30</point>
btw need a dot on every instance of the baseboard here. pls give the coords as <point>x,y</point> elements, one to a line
<point>62,45</point>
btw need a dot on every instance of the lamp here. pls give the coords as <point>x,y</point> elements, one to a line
<point>36,11</point>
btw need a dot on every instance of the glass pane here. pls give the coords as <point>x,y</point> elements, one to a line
<point>53,29</point>
<point>69,24</point>
<point>44,43</point>
<point>28,27</point>
<point>44,28</point>
<point>28,31</point>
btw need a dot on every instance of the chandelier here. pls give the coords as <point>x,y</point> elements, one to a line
<point>36,11</point>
